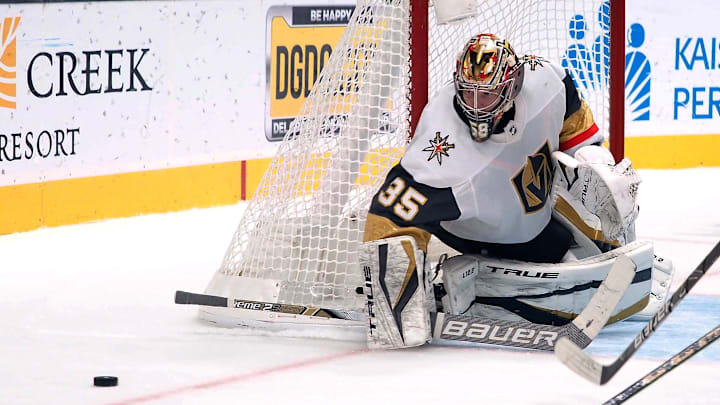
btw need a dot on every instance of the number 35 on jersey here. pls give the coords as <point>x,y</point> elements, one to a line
<point>409,202</point>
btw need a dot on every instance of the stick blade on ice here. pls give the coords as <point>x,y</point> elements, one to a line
<point>578,361</point>
<point>594,317</point>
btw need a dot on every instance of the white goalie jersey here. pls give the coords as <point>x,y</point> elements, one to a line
<point>496,191</point>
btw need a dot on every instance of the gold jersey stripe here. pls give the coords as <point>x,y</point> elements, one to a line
<point>577,123</point>
<point>377,227</point>
<point>566,210</point>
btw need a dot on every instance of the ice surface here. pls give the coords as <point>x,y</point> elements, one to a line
<point>97,299</point>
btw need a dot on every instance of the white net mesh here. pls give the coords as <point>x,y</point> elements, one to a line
<point>302,229</point>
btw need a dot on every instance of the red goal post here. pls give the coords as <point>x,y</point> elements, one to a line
<point>616,114</point>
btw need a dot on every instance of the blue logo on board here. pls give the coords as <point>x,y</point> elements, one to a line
<point>637,75</point>
<point>589,67</point>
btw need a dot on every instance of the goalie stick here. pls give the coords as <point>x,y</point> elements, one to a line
<point>584,365</point>
<point>666,367</point>
<point>183,297</point>
<point>582,330</point>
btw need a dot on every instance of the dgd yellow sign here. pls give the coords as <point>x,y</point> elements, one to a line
<point>299,42</point>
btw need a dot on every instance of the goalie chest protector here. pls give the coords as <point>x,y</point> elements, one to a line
<point>501,186</point>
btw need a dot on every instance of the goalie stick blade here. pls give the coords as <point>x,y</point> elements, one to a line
<point>593,371</point>
<point>187,298</point>
<point>577,360</point>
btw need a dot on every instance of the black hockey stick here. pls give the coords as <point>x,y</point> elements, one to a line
<point>666,367</point>
<point>182,297</point>
<point>473,328</point>
<point>584,365</point>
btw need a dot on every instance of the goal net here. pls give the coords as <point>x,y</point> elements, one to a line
<point>298,240</point>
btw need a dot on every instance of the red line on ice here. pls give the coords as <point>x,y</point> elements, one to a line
<point>239,378</point>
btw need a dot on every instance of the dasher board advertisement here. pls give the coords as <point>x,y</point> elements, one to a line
<point>100,88</point>
<point>299,41</point>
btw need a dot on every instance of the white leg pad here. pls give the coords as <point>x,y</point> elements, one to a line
<point>490,287</point>
<point>459,274</point>
<point>397,293</point>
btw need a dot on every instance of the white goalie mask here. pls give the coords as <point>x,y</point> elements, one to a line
<point>488,77</point>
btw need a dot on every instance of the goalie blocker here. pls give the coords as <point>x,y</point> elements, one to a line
<point>400,298</point>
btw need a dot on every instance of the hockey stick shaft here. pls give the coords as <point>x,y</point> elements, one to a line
<point>584,365</point>
<point>666,367</point>
<point>600,307</point>
<point>183,297</point>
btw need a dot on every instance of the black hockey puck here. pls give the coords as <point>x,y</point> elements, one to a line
<point>105,381</point>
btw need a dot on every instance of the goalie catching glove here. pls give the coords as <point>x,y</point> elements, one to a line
<point>605,189</point>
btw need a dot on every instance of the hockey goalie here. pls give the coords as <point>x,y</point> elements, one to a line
<point>507,168</point>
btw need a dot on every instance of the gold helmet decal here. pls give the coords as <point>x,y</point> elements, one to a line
<point>488,77</point>
<point>480,62</point>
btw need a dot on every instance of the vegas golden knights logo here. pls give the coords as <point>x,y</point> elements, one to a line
<point>439,147</point>
<point>534,181</point>
<point>534,61</point>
